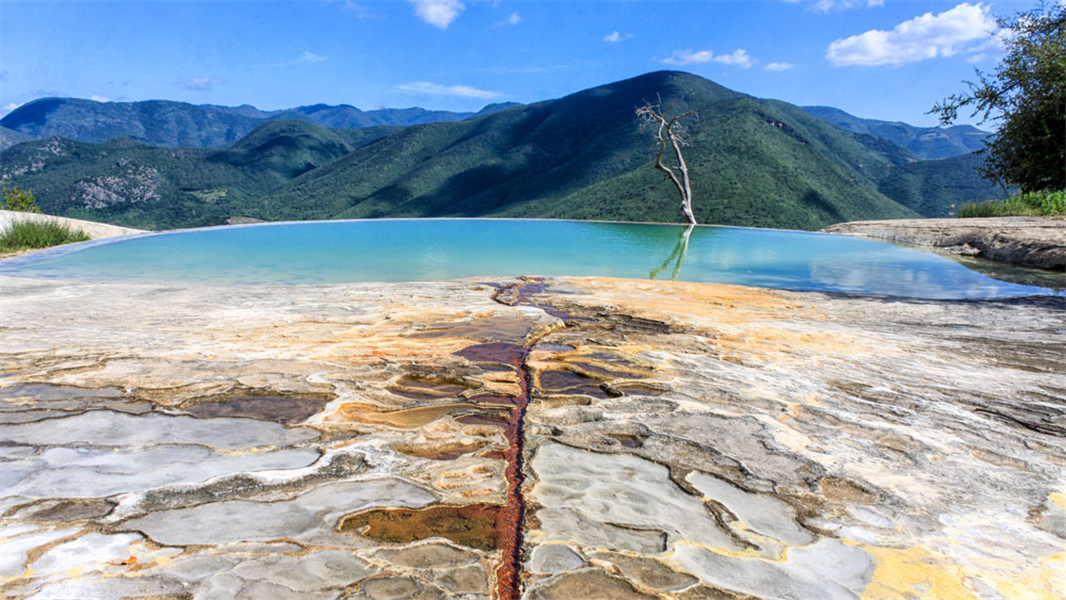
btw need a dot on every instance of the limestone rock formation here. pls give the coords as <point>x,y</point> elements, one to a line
<point>553,439</point>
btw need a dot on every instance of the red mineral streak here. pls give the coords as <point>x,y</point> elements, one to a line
<point>510,519</point>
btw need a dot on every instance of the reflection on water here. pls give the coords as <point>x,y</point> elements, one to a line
<point>1012,274</point>
<point>1046,278</point>
<point>431,250</point>
<point>677,256</point>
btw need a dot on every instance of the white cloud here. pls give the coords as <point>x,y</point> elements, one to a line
<point>514,19</point>
<point>306,58</point>
<point>614,37</point>
<point>994,45</point>
<point>360,11</point>
<point>829,5</point>
<point>10,107</point>
<point>436,89</point>
<point>96,98</point>
<point>739,58</point>
<point>439,13</point>
<point>778,66</point>
<point>688,57</point>
<point>923,37</point>
<point>201,84</point>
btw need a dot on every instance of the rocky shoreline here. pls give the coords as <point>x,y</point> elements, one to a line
<point>1038,242</point>
<point>91,228</point>
<point>679,440</point>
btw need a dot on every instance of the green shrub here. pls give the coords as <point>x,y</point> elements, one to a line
<point>1053,203</point>
<point>20,200</point>
<point>35,234</point>
<point>1022,205</point>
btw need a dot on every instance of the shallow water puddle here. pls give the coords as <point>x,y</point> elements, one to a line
<point>494,400</point>
<point>424,389</point>
<point>495,352</point>
<point>408,418</point>
<point>473,525</point>
<point>445,450</point>
<point>483,419</point>
<point>567,382</point>
<point>405,418</point>
<point>281,409</point>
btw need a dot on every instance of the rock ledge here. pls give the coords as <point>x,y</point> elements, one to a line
<point>1024,241</point>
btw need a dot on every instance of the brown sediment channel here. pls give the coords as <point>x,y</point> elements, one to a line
<point>511,518</point>
<point>514,512</point>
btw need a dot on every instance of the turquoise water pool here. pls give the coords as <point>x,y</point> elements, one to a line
<point>438,249</point>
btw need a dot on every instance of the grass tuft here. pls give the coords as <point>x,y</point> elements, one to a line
<point>1032,204</point>
<point>35,234</point>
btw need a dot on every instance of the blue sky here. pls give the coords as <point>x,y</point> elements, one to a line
<point>885,59</point>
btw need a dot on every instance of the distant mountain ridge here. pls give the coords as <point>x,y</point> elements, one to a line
<point>184,125</point>
<point>926,142</point>
<point>10,137</point>
<point>180,124</point>
<point>754,162</point>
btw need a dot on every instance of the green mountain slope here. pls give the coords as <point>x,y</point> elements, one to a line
<point>926,142</point>
<point>936,188</point>
<point>10,137</point>
<point>179,124</point>
<point>754,162</point>
<point>125,181</point>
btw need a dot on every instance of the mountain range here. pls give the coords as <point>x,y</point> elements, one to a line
<point>179,124</point>
<point>926,142</point>
<point>754,162</point>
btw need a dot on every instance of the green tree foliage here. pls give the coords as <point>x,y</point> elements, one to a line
<point>20,200</point>
<point>1027,97</point>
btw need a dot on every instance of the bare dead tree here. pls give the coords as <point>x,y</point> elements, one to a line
<point>670,132</point>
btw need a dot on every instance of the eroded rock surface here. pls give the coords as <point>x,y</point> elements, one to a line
<point>375,441</point>
<point>1026,241</point>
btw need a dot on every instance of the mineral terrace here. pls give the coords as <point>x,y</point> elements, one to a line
<point>546,439</point>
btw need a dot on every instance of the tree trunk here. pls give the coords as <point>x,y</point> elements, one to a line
<point>670,132</point>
